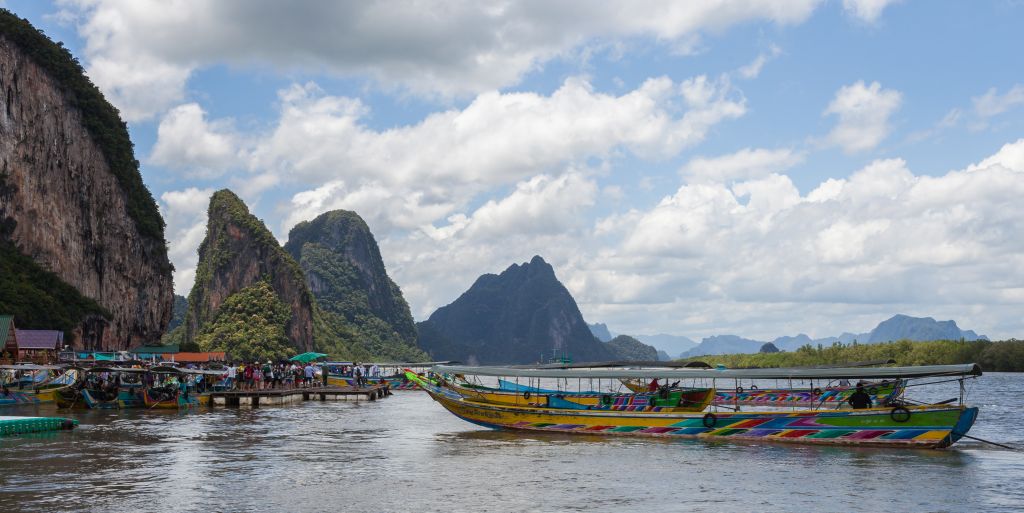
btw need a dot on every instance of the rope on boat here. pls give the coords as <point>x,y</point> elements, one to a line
<point>1016,449</point>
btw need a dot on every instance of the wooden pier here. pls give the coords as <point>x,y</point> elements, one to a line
<point>278,397</point>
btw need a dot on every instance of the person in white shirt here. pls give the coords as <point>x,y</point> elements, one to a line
<point>232,373</point>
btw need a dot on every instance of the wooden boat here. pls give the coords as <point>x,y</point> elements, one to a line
<point>170,394</point>
<point>693,399</point>
<point>87,392</point>
<point>881,392</point>
<point>924,426</point>
<point>394,382</point>
<point>39,387</point>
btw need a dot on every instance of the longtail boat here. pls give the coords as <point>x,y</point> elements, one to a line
<point>173,390</point>
<point>103,388</point>
<point>881,392</point>
<point>691,399</point>
<point>899,425</point>
<point>395,381</point>
<point>39,386</point>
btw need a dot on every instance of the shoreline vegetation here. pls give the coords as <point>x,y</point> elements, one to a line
<point>1000,356</point>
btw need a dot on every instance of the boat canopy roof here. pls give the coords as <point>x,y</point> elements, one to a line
<point>391,364</point>
<point>967,369</point>
<point>167,369</point>
<point>30,367</point>
<point>114,369</point>
<point>621,363</point>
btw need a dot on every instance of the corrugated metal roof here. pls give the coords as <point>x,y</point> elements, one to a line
<point>5,326</point>
<point>200,357</point>
<point>155,349</point>
<point>40,339</point>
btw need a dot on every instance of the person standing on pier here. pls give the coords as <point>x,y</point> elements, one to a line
<point>308,370</point>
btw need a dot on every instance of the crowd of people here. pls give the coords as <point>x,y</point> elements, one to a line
<point>289,375</point>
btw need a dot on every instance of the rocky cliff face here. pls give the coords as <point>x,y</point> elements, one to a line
<point>521,316</point>
<point>72,198</point>
<point>345,272</point>
<point>237,253</point>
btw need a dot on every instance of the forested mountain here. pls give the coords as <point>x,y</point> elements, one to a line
<point>523,315</point>
<point>629,348</point>
<point>345,272</point>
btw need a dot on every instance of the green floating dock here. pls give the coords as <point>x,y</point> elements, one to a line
<point>21,425</point>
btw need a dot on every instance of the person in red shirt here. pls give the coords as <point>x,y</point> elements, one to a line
<point>653,387</point>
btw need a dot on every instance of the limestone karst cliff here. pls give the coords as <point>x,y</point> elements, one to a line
<point>344,270</point>
<point>239,252</point>
<point>72,202</point>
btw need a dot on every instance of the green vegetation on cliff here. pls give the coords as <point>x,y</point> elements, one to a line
<point>218,249</point>
<point>101,119</point>
<point>250,325</point>
<point>177,312</point>
<point>39,299</point>
<point>359,304</point>
<point>1006,355</point>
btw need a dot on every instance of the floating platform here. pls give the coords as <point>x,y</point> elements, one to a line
<point>257,398</point>
<point>22,425</point>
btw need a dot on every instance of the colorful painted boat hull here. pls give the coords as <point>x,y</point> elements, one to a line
<point>178,401</point>
<point>12,398</point>
<point>924,427</point>
<point>394,383</point>
<point>94,402</point>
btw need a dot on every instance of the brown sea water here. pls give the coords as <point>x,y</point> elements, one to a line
<point>407,454</point>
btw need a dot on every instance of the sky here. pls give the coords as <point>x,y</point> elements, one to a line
<point>759,168</point>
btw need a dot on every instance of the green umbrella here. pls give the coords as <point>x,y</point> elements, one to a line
<point>307,357</point>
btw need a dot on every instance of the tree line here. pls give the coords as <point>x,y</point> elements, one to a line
<point>1000,356</point>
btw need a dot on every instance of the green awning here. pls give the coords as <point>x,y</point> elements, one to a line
<point>103,357</point>
<point>307,357</point>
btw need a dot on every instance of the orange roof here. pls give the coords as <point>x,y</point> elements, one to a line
<point>214,356</point>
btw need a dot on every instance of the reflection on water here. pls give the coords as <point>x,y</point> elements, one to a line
<point>408,454</point>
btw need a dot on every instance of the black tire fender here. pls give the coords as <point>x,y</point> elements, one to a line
<point>900,414</point>
<point>816,391</point>
<point>709,420</point>
<point>526,395</point>
<point>739,390</point>
<point>753,387</point>
<point>606,399</point>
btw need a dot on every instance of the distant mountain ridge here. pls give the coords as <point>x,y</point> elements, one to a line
<point>897,327</point>
<point>600,331</point>
<point>629,348</point>
<point>520,316</point>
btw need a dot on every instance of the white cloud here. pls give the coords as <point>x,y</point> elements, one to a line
<point>414,175</point>
<point>866,10</point>
<point>863,112</point>
<point>745,164</point>
<point>759,259</point>
<point>753,69</point>
<point>755,257</point>
<point>142,52</point>
<point>1010,156</point>
<point>186,141</point>
<point>184,212</point>
<point>992,103</point>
